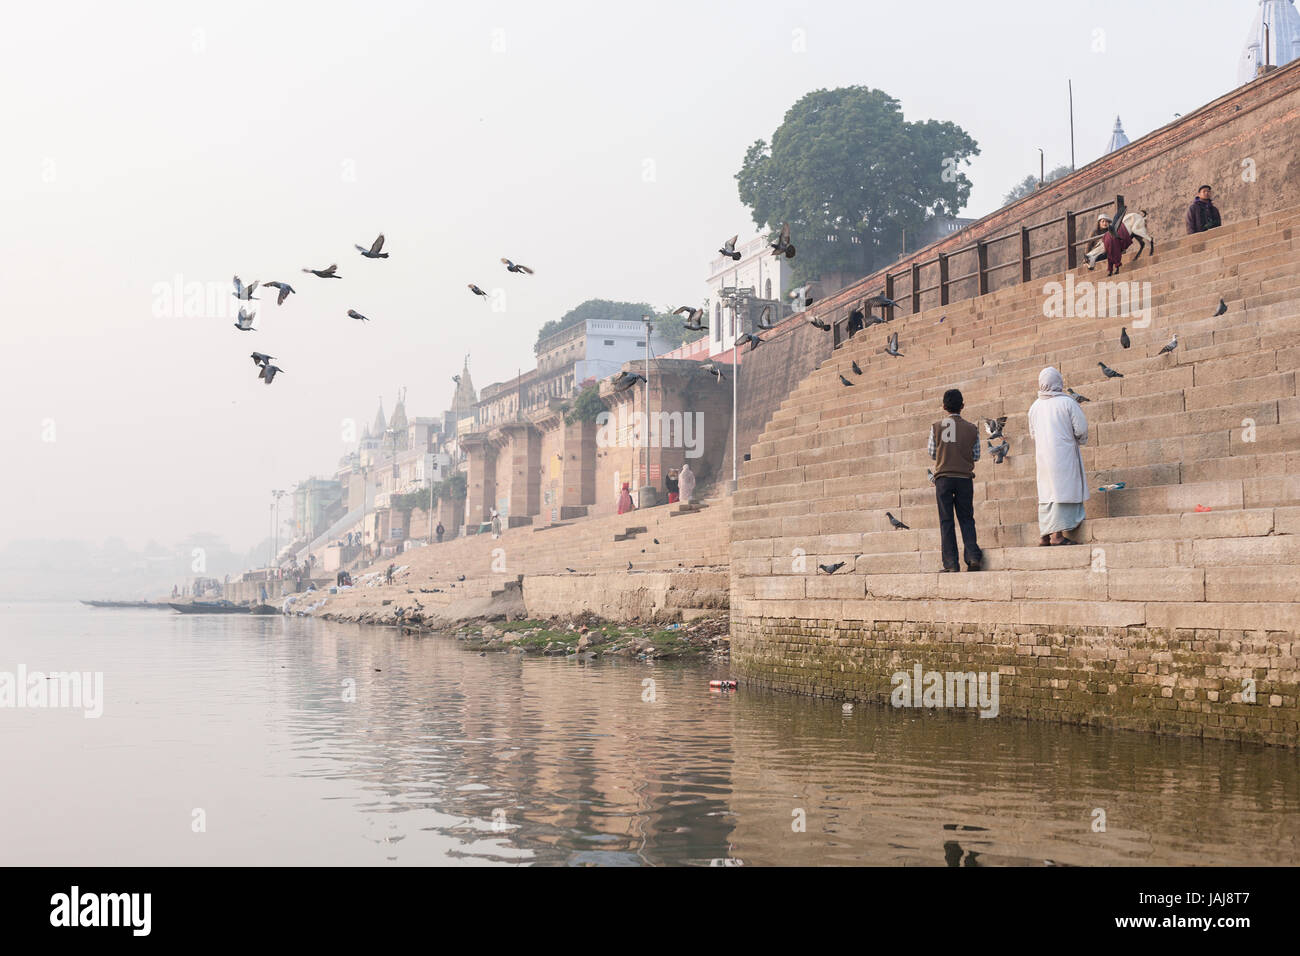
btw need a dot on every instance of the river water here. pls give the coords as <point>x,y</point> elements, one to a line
<point>268,740</point>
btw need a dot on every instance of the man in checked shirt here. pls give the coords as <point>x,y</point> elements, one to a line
<point>955,447</point>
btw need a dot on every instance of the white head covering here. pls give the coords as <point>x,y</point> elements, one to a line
<point>1050,383</point>
<point>1103,218</point>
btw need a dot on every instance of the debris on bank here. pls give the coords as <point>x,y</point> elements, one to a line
<point>588,637</point>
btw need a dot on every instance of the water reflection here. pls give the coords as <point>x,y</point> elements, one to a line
<point>316,743</point>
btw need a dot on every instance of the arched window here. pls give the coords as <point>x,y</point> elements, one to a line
<point>767,289</point>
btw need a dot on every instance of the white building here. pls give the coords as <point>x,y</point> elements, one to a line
<point>596,348</point>
<point>1118,138</point>
<point>757,269</point>
<point>1281,22</point>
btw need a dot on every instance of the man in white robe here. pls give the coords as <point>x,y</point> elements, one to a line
<point>1059,429</point>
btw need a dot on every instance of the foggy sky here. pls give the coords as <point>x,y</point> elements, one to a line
<point>149,140</point>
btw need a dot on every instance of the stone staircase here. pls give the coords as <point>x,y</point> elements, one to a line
<point>1213,425</point>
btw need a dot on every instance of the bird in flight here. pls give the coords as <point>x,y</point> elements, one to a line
<point>856,369</point>
<point>749,337</point>
<point>325,273</point>
<point>476,290</point>
<point>286,290</point>
<point>891,347</point>
<point>260,359</point>
<point>374,251</point>
<point>268,372</point>
<point>625,380</point>
<point>354,314</point>
<point>994,426</point>
<point>245,321</point>
<point>516,267</point>
<point>782,244</point>
<point>878,300</point>
<point>999,451</point>
<point>694,317</point>
<point>729,248</point>
<point>714,371</point>
<point>244,292</point>
<point>765,317</point>
<point>819,324</point>
<point>1223,307</point>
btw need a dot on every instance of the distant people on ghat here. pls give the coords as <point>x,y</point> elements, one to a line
<point>1202,214</point>
<point>955,447</point>
<point>439,531</point>
<point>1059,430</point>
<point>671,484</point>
<point>625,500</point>
<point>686,483</point>
<point>1116,240</point>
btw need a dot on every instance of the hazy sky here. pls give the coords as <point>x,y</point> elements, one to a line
<point>596,142</point>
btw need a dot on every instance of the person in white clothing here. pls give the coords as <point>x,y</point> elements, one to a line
<point>1059,429</point>
<point>686,483</point>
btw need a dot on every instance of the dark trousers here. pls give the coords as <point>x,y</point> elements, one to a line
<point>954,495</point>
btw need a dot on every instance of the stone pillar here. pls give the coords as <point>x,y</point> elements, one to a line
<point>525,460</point>
<point>480,492</point>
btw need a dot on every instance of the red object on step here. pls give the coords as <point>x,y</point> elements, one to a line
<point>723,684</point>
<point>1201,509</point>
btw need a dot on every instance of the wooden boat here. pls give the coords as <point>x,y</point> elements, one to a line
<point>264,609</point>
<point>211,607</point>
<point>156,605</point>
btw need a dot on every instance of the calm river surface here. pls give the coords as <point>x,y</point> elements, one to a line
<point>448,757</point>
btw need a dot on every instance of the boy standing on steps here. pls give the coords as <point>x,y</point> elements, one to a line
<point>955,447</point>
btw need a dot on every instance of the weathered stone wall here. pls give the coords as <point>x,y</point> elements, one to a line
<point>1185,681</point>
<point>618,596</point>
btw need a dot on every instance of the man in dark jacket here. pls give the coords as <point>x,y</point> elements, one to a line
<point>955,447</point>
<point>1202,214</point>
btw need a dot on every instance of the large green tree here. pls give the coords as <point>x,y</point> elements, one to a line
<point>850,174</point>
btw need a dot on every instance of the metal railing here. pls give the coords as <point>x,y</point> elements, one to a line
<point>942,281</point>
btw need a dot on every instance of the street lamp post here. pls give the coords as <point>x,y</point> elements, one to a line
<point>277,495</point>
<point>738,299</point>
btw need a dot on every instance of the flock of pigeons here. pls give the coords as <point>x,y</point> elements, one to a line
<point>266,371</point>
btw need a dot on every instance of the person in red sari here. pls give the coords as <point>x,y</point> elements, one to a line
<point>625,500</point>
<point>1115,240</point>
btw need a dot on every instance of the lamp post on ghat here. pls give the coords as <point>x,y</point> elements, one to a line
<point>738,298</point>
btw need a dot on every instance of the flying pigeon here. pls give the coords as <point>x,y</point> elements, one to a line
<point>325,273</point>
<point>627,379</point>
<point>819,324</point>
<point>244,292</point>
<point>516,267</point>
<point>749,337</point>
<point>268,372</point>
<point>245,321</point>
<point>994,426</point>
<point>714,371</point>
<point>1123,338</point>
<point>354,314</point>
<point>476,290</point>
<point>879,300</point>
<point>765,317</point>
<point>844,381</point>
<point>259,359</point>
<point>286,290</point>
<point>693,317</point>
<point>999,451</point>
<point>373,252</point>
<point>1173,344</point>
<point>856,369</point>
<point>831,568</point>
<point>729,248</point>
<point>629,565</point>
<point>891,347</point>
<point>1110,372</point>
<point>1077,397</point>
<point>896,523</point>
<point>782,244</point>
<point>1223,307</point>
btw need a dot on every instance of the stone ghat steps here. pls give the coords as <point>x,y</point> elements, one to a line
<point>833,459</point>
<point>1076,347</point>
<point>691,539</point>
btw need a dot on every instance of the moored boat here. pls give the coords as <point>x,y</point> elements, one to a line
<point>211,607</point>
